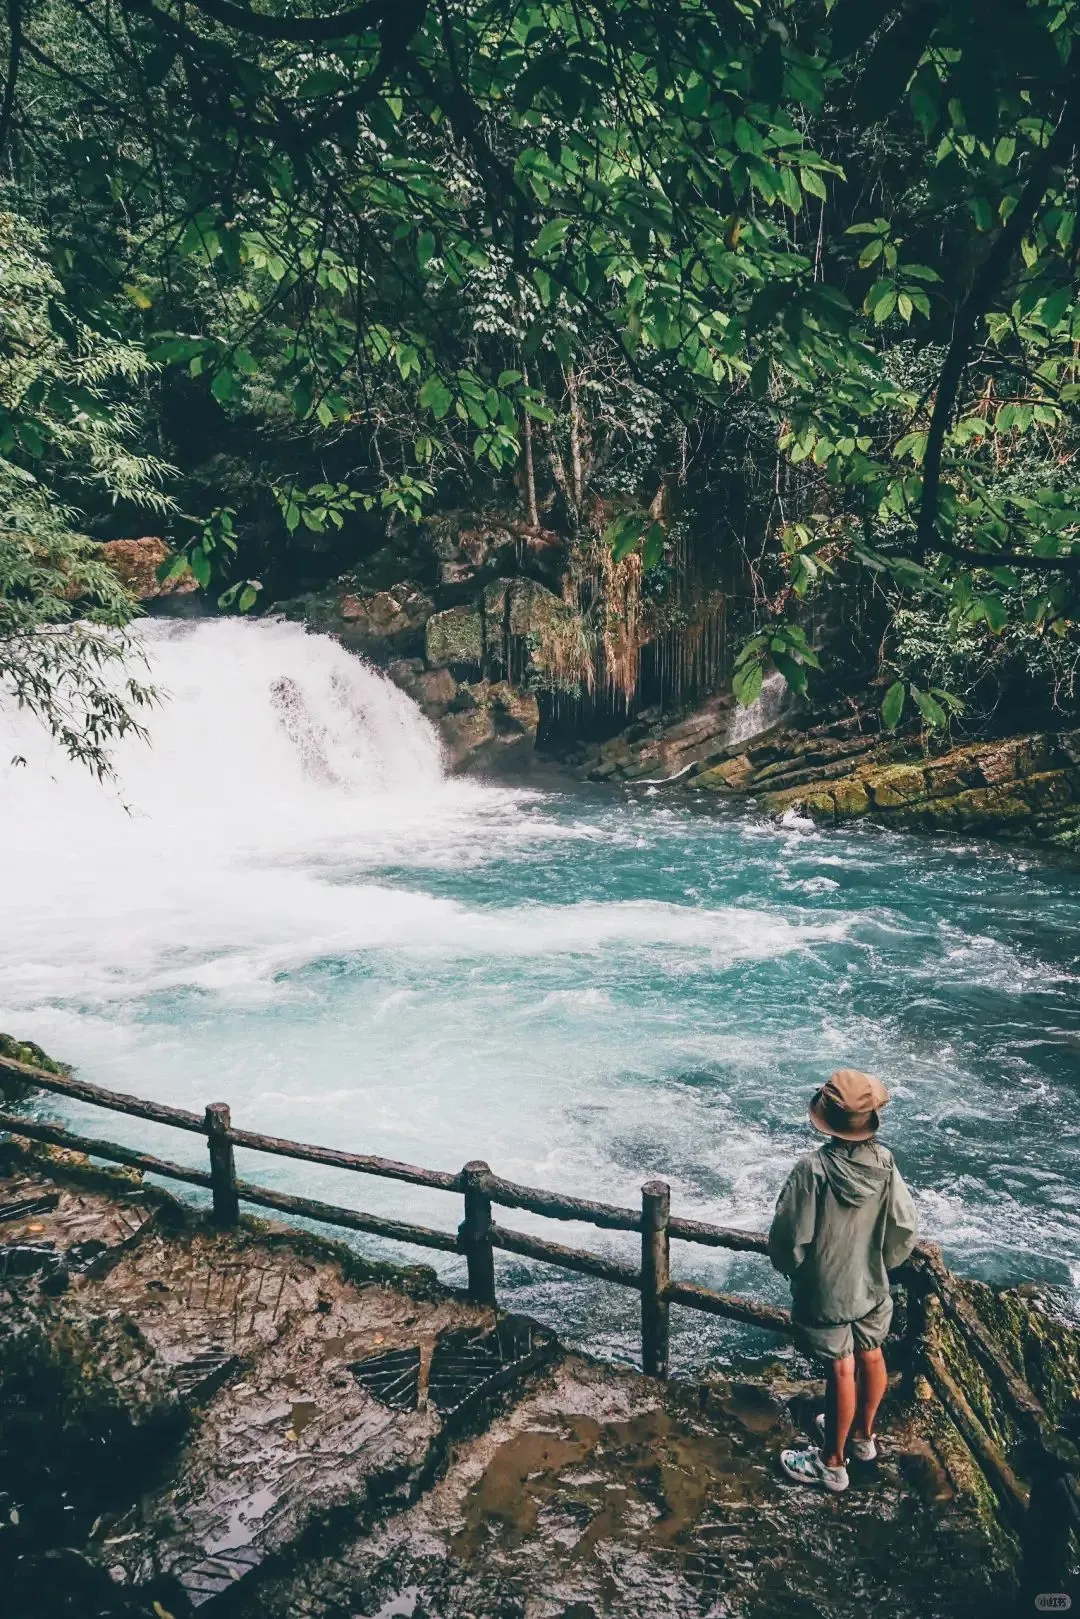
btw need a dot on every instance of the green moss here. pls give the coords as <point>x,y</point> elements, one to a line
<point>849,797</point>
<point>456,636</point>
<point>12,1086</point>
<point>28,1052</point>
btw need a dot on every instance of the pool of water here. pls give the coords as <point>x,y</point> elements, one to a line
<point>288,906</point>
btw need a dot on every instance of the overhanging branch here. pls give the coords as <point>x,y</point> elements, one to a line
<point>988,279</point>
<point>297,30</point>
<point>1021,560</point>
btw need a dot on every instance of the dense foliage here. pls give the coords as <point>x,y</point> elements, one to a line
<point>611,263</point>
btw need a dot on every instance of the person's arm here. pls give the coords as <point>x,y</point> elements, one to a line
<point>901,1222</point>
<point>795,1220</point>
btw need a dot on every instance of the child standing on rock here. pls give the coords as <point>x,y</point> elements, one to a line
<point>844,1219</point>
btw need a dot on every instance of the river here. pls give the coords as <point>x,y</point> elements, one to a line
<point>288,905</point>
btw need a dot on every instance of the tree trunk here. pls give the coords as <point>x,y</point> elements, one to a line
<point>530,471</point>
<point>575,440</point>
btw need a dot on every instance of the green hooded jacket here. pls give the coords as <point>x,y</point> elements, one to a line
<point>843,1219</point>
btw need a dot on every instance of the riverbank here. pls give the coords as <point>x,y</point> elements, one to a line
<point>478,666</point>
<point>281,1428</point>
<point>1018,788</point>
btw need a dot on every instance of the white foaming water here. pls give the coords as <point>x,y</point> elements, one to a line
<point>289,905</point>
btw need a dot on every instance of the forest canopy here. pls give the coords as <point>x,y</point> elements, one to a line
<point>416,252</point>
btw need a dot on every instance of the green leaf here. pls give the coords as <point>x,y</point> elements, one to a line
<point>171,569</point>
<point>199,563</point>
<point>793,672</point>
<point>746,683</point>
<point>624,535</point>
<point>994,611</point>
<point>893,706</point>
<point>653,549</point>
<point>930,709</point>
<point>552,235</point>
<point>29,436</point>
<point>790,193</point>
<point>884,307</point>
<point>813,184</point>
<point>1055,306</point>
<point>323,82</point>
<point>436,397</point>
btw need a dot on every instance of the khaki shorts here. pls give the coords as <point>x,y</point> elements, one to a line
<point>836,1342</point>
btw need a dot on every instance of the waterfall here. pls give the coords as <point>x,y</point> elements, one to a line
<point>267,712</point>
<point>763,713</point>
<point>278,764</point>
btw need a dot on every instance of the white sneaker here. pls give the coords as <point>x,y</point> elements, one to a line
<point>807,1467</point>
<point>863,1450</point>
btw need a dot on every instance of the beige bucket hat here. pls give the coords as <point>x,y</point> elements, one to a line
<point>849,1105</point>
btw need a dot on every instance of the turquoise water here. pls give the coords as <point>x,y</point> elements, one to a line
<point>587,988</point>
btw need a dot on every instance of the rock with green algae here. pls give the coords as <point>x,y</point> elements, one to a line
<point>27,1051</point>
<point>489,719</point>
<point>12,1085</point>
<point>455,637</point>
<point>1025,787</point>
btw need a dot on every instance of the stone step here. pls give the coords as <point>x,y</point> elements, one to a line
<point>326,1400</point>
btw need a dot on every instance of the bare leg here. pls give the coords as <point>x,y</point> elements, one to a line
<point>872,1379</point>
<point>839,1409</point>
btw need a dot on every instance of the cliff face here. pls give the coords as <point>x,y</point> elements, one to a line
<point>472,663</point>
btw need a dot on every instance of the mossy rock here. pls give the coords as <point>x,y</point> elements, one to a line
<point>896,785</point>
<point>13,1086</point>
<point>27,1051</point>
<point>455,636</point>
<point>850,797</point>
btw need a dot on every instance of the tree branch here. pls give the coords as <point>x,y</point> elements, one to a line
<point>988,278</point>
<point>1010,559</point>
<point>7,108</point>
<point>298,30</point>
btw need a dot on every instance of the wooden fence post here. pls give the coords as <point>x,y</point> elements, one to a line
<point>222,1165</point>
<point>655,1277</point>
<point>1044,1534</point>
<point>921,1325</point>
<point>474,1234</point>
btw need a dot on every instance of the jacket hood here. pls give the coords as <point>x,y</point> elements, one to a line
<point>855,1172</point>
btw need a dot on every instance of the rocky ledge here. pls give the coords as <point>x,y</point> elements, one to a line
<point>262,1425</point>
<point>1020,787</point>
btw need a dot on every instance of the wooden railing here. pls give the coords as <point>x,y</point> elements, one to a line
<point>1044,1513</point>
<point>478,1235</point>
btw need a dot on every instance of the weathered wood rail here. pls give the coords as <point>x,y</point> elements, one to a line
<point>1045,1512</point>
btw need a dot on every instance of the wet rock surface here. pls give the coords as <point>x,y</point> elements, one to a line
<point>1020,787</point>
<point>597,1495</point>
<point>254,1423</point>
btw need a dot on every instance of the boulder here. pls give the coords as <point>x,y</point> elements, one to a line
<point>433,689</point>
<point>455,636</point>
<point>488,721</point>
<point>398,611</point>
<point>534,610</point>
<point>136,563</point>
